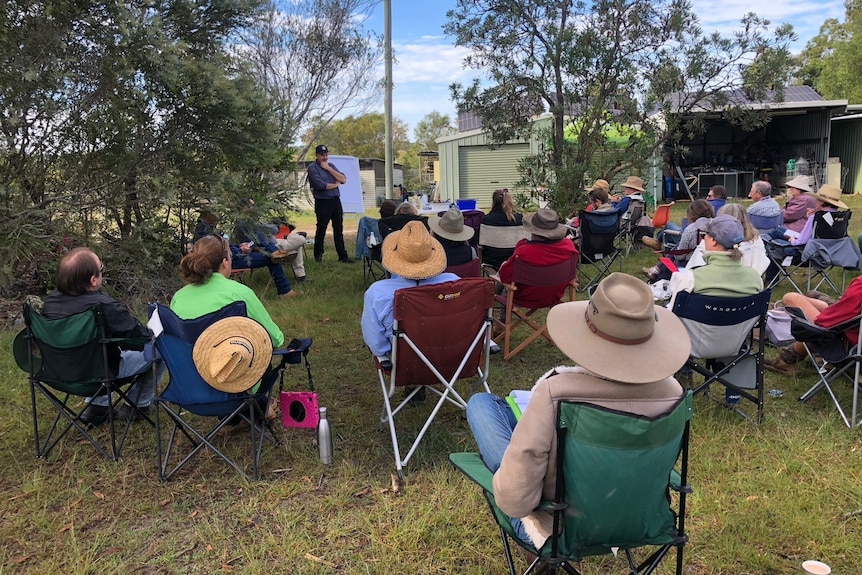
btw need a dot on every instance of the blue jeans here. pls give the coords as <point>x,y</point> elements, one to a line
<point>492,422</point>
<point>259,260</point>
<point>142,392</point>
<point>668,226</point>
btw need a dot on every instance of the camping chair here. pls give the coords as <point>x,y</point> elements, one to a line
<point>599,231</point>
<point>70,357</point>
<point>497,244</point>
<point>430,354</point>
<point>368,247</point>
<point>720,329</point>
<point>471,269</point>
<point>838,358</point>
<point>473,219</point>
<point>766,224</point>
<point>661,215</point>
<point>828,248</point>
<point>614,476</point>
<point>629,223</point>
<point>194,408</point>
<point>516,312</point>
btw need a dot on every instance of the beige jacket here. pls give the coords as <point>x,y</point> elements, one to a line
<point>527,472</point>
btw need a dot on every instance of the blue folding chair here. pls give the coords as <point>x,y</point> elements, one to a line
<point>720,329</point>
<point>766,224</point>
<point>187,393</point>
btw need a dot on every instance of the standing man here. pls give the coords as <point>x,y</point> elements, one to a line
<point>324,179</point>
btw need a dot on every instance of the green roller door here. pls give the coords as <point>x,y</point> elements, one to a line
<point>483,170</point>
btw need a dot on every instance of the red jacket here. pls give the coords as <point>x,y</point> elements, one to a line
<point>849,305</point>
<point>539,253</point>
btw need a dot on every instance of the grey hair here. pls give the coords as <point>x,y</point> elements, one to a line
<point>765,188</point>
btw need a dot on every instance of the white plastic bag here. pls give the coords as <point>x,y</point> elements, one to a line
<point>660,291</point>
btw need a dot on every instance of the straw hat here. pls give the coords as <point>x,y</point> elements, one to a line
<point>233,353</point>
<point>830,195</point>
<point>412,253</point>
<point>603,184</point>
<point>620,334</point>
<point>635,183</point>
<point>545,223</point>
<point>451,226</point>
<point>800,183</point>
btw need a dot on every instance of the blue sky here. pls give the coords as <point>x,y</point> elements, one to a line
<point>428,62</point>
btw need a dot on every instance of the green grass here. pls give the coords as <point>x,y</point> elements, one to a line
<point>766,497</point>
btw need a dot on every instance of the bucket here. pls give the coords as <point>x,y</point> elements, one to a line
<point>466,204</point>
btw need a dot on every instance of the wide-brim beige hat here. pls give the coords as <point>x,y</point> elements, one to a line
<point>620,334</point>
<point>603,184</point>
<point>412,253</point>
<point>830,195</point>
<point>451,226</point>
<point>544,223</point>
<point>233,353</point>
<point>635,183</point>
<point>800,183</point>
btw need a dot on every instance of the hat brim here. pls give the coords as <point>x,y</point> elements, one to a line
<point>831,202</point>
<point>239,327</point>
<point>428,268</point>
<point>657,358</point>
<point>555,234</point>
<point>463,235</point>
<point>800,185</point>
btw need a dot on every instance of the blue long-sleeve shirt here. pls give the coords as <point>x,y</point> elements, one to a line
<point>318,178</point>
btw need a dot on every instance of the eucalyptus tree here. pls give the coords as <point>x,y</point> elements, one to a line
<point>315,61</point>
<point>111,113</point>
<point>832,60</point>
<point>603,68</point>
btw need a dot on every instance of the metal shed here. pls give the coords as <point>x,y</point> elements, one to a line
<point>799,128</point>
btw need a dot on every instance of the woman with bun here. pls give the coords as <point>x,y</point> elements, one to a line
<point>206,272</point>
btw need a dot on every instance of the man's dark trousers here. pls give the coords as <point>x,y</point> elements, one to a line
<point>326,210</point>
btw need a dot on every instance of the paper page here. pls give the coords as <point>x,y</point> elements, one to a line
<point>521,398</point>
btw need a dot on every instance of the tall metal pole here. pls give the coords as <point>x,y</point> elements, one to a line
<point>387,101</point>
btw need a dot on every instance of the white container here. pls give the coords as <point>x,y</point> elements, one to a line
<point>816,568</point>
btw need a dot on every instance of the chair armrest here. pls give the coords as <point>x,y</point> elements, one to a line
<point>509,286</point>
<point>471,465</point>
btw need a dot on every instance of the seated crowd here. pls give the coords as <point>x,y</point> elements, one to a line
<point>718,254</point>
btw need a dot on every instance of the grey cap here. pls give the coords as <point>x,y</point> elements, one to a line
<point>724,229</point>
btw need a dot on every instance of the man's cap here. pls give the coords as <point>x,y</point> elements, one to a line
<point>321,149</point>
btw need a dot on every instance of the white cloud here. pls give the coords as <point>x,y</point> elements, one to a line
<point>428,63</point>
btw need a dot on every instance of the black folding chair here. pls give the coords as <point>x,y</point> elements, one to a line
<point>838,358</point>
<point>599,231</point>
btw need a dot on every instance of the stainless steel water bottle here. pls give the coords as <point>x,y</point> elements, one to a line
<point>324,438</point>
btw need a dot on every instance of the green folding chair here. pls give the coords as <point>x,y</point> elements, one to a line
<point>613,488</point>
<point>67,358</point>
